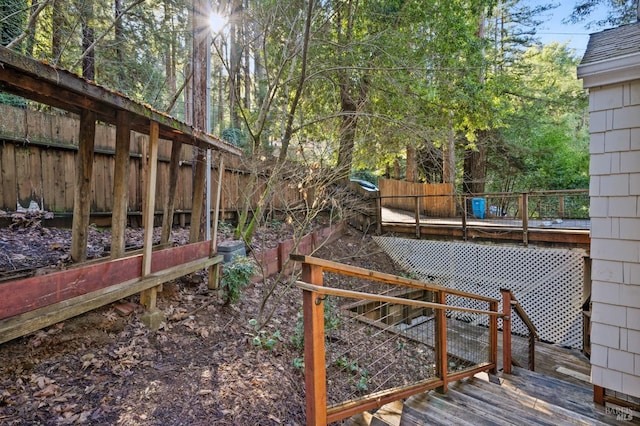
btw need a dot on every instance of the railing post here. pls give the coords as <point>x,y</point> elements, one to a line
<point>506,330</point>
<point>561,206</point>
<point>525,219</point>
<point>379,214</point>
<point>417,216</point>
<point>493,337</point>
<point>441,341</point>
<point>315,373</point>
<point>464,217</point>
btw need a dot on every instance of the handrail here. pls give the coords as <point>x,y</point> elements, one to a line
<point>354,271</point>
<point>508,301</point>
<point>317,411</point>
<point>390,299</point>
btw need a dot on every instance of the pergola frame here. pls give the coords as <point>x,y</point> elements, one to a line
<point>29,304</point>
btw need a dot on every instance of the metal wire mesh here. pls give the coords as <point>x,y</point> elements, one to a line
<point>375,346</point>
<point>520,336</point>
<point>467,334</point>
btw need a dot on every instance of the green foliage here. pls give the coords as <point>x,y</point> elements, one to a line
<point>235,276</point>
<point>234,137</point>
<point>358,375</point>
<point>263,338</point>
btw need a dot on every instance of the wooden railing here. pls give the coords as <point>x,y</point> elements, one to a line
<point>511,306</point>
<point>505,211</point>
<point>452,360</point>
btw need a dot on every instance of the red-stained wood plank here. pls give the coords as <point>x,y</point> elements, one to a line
<point>20,296</point>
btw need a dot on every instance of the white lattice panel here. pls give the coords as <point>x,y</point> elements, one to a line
<point>547,282</point>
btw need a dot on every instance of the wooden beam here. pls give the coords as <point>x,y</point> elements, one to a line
<point>314,351</point>
<point>214,271</point>
<point>120,185</point>
<point>82,192</point>
<point>29,322</point>
<point>20,296</point>
<point>55,86</point>
<point>341,268</point>
<point>506,331</point>
<point>174,169</point>
<point>442,363</point>
<point>148,297</point>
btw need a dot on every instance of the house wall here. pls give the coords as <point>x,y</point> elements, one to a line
<point>615,236</point>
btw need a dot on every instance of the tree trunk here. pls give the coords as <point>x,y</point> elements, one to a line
<point>201,50</point>
<point>412,164</point>
<point>58,21</point>
<point>119,37</point>
<point>88,37</point>
<point>449,155</point>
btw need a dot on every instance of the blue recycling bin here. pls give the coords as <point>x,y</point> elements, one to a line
<point>477,207</point>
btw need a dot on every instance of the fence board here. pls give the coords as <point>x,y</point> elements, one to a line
<point>44,171</point>
<point>8,173</point>
<point>436,199</point>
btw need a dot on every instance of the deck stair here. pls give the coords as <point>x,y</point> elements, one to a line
<point>524,397</point>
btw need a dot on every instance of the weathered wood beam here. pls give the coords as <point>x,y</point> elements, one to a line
<point>120,185</point>
<point>148,297</point>
<point>82,193</point>
<point>20,296</point>
<point>29,322</point>
<point>54,86</point>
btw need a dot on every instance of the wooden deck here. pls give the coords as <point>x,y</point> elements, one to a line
<point>573,233</point>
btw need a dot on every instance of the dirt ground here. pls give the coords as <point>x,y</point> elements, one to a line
<point>201,368</point>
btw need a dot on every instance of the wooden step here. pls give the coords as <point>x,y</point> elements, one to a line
<point>522,398</point>
<point>388,415</point>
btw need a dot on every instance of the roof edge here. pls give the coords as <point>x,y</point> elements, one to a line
<point>610,71</point>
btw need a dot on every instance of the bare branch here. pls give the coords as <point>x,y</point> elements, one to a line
<point>30,24</point>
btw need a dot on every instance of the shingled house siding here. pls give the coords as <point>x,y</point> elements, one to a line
<point>615,213</point>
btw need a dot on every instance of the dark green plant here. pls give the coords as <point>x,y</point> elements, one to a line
<point>235,276</point>
<point>262,338</point>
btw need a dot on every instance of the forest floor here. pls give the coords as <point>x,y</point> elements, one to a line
<point>200,368</point>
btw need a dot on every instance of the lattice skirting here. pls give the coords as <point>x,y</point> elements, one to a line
<point>548,282</point>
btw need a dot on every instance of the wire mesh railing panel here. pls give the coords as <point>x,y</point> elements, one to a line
<point>520,336</point>
<point>375,346</point>
<point>570,209</point>
<point>467,334</point>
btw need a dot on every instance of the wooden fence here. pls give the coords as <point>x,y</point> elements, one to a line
<point>37,157</point>
<point>436,200</point>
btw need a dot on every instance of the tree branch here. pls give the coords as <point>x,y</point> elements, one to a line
<point>30,24</point>
<point>104,34</point>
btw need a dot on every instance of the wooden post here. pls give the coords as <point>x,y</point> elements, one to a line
<point>148,297</point>
<point>506,331</point>
<point>442,362</point>
<point>314,352</point>
<point>561,206</point>
<point>82,192</point>
<point>417,216</point>
<point>525,219</point>
<point>198,197</point>
<point>174,169</point>
<point>378,215</point>
<point>121,184</point>
<point>493,337</point>
<point>598,394</point>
